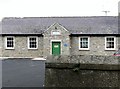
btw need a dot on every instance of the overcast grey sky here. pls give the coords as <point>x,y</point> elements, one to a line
<point>44,8</point>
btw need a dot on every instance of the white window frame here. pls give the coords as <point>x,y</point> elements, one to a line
<point>88,43</point>
<point>114,43</point>
<point>13,42</point>
<point>36,42</point>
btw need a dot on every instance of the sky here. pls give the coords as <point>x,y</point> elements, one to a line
<point>48,8</point>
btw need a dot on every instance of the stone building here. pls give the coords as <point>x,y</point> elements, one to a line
<point>44,36</point>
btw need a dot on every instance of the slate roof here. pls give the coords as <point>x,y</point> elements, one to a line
<point>75,25</point>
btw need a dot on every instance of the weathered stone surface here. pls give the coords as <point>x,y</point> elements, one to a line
<point>63,38</point>
<point>81,78</point>
<point>97,45</point>
<point>21,48</point>
<point>111,60</point>
<point>84,59</point>
<point>83,66</point>
<point>85,72</point>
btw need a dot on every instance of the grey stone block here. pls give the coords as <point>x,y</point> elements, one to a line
<point>110,60</point>
<point>84,59</point>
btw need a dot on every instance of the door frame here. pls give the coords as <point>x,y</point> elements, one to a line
<point>51,46</point>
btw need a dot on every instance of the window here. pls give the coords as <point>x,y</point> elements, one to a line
<point>32,42</point>
<point>110,43</point>
<point>84,43</point>
<point>10,42</point>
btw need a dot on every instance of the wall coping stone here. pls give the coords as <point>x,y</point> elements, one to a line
<point>84,59</point>
<point>78,66</point>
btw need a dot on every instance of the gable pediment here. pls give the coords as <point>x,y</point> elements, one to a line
<point>56,29</point>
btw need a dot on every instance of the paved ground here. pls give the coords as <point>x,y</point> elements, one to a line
<point>23,73</point>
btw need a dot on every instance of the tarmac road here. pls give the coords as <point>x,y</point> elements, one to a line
<point>23,73</point>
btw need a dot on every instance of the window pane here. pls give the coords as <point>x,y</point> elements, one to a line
<point>83,42</point>
<point>32,42</point>
<point>10,42</point>
<point>10,38</point>
<point>109,42</point>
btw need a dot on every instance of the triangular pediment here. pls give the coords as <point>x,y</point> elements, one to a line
<point>56,27</point>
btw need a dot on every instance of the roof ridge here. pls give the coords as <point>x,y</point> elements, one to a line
<point>57,17</point>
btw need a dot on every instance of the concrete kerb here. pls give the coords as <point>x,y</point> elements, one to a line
<point>38,59</point>
<point>31,58</point>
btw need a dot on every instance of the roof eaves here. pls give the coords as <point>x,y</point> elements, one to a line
<point>22,34</point>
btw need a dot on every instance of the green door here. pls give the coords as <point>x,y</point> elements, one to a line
<point>56,48</point>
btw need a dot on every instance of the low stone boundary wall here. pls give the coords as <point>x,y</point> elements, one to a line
<point>82,75</point>
<point>83,59</point>
<point>77,66</point>
<point>83,72</point>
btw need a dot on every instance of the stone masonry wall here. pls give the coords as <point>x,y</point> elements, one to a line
<point>78,71</point>
<point>63,38</point>
<point>1,46</point>
<point>84,59</point>
<point>21,48</point>
<point>97,46</point>
<point>81,79</point>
